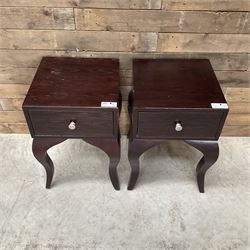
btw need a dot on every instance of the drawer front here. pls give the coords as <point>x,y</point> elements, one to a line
<point>179,124</point>
<point>72,123</point>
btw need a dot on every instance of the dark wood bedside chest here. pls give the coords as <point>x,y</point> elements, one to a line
<point>75,98</point>
<point>175,99</point>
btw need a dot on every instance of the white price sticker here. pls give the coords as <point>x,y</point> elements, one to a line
<point>219,105</point>
<point>109,104</point>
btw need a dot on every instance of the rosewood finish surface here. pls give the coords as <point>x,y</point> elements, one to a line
<point>172,99</point>
<point>74,82</point>
<point>175,83</point>
<point>64,101</point>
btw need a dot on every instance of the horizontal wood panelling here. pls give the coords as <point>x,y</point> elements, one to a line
<point>16,75</point>
<point>238,120</point>
<point>237,94</point>
<point>4,128</point>
<point>29,59</point>
<point>162,21</point>
<point>234,78</point>
<point>124,120</point>
<point>18,128</point>
<point>236,131</point>
<point>12,117</point>
<point>124,123</point>
<point>13,90</point>
<point>123,41</point>
<point>11,104</point>
<point>128,4</point>
<point>177,42</point>
<point>77,40</point>
<point>239,107</point>
<point>215,5</point>
<point>37,18</point>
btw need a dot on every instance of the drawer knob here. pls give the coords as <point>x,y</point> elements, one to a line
<point>178,127</point>
<point>72,125</point>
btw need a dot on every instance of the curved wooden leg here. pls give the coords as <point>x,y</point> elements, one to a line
<point>39,148</point>
<point>136,148</point>
<point>210,150</point>
<point>111,146</point>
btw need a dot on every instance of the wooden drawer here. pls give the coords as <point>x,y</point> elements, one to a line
<point>195,124</point>
<point>87,123</point>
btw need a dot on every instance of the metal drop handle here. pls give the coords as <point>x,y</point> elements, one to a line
<point>72,125</point>
<point>178,127</point>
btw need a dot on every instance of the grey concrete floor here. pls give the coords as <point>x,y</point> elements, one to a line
<point>83,211</point>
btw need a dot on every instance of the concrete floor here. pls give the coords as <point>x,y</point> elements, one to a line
<point>83,211</point>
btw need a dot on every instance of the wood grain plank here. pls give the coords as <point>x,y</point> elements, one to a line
<point>215,5</point>
<point>16,75</point>
<point>13,90</point>
<point>4,128</point>
<point>238,120</point>
<point>12,117</point>
<point>162,21</point>
<point>18,128</point>
<point>237,94</point>
<point>129,4</point>
<point>233,78</point>
<point>124,123</point>
<point>236,131</point>
<point>11,104</point>
<point>124,107</point>
<point>239,107</point>
<point>77,40</point>
<point>29,59</point>
<point>36,18</point>
<point>179,42</point>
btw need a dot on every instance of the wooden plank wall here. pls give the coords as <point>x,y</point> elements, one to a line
<point>215,29</point>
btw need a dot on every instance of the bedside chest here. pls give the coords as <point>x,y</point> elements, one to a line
<point>175,99</point>
<point>75,98</point>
